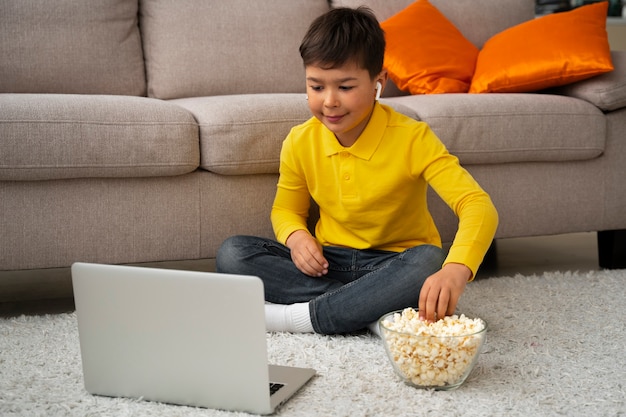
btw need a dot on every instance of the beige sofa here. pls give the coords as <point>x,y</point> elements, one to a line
<point>150,131</point>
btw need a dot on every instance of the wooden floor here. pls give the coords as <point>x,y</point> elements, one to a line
<point>526,256</point>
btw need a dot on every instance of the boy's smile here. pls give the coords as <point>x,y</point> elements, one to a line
<point>342,98</point>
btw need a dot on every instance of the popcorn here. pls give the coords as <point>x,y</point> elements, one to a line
<point>432,354</point>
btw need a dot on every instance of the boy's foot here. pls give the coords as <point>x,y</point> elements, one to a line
<point>294,318</point>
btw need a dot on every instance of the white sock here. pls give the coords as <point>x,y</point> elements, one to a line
<point>293,318</point>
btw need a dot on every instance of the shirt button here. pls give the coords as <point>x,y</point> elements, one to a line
<point>346,177</point>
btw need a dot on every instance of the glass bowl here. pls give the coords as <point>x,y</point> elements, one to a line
<point>423,357</point>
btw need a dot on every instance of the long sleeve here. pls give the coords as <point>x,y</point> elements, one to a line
<point>292,201</point>
<point>478,217</point>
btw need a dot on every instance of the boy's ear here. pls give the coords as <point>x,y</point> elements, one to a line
<point>382,80</point>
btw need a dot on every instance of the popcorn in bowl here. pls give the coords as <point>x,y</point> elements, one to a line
<point>437,355</point>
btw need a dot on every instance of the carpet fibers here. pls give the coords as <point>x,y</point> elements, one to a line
<point>556,346</point>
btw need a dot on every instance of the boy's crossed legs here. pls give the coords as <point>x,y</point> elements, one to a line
<point>361,285</point>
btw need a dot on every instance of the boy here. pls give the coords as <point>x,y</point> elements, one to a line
<point>376,248</point>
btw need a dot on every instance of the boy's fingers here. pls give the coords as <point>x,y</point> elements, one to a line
<point>432,304</point>
<point>425,305</point>
<point>301,260</point>
<point>454,299</point>
<point>316,259</point>
<point>308,261</point>
<point>442,304</point>
<point>431,307</point>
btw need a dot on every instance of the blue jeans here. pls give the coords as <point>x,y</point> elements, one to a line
<point>360,287</point>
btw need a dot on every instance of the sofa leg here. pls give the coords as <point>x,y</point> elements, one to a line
<point>612,249</point>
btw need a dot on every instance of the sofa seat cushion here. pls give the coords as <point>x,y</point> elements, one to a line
<point>504,128</point>
<point>50,136</point>
<point>243,134</point>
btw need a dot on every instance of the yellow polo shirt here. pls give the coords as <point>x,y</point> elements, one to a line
<point>372,195</point>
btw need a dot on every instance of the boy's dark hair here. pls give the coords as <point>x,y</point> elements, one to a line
<point>342,35</point>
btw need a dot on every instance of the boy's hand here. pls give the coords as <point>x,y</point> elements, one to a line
<point>306,254</point>
<point>442,290</point>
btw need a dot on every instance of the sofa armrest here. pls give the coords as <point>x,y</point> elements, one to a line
<point>606,91</point>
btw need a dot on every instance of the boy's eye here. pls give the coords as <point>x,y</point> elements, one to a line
<point>341,87</point>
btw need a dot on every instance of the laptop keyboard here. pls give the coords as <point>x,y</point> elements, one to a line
<point>275,387</point>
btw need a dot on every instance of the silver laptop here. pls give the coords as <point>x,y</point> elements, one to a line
<point>180,337</point>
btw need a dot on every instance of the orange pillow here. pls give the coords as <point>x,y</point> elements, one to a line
<point>426,53</point>
<point>546,52</point>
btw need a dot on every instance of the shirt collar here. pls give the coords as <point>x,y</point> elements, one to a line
<point>366,144</point>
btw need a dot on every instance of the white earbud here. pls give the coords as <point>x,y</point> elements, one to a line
<point>379,89</point>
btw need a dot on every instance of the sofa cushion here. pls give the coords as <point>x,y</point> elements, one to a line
<point>478,20</point>
<point>199,48</point>
<point>51,136</point>
<point>243,134</point>
<point>505,128</point>
<point>426,53</point>
<point>71,46</point>
<point>552,50</point>
<point>607,91</point>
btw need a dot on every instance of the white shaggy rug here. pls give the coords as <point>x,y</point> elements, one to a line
<point>556,346</point>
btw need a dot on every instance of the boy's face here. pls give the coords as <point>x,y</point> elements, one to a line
<point>342,98</point>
